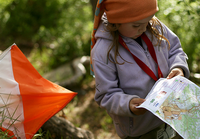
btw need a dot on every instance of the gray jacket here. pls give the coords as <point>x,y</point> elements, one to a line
<point>117,84</point>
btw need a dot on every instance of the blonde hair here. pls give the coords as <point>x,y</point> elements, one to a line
<point>113,29</point>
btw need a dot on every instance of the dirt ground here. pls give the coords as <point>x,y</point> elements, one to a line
<point>84,113</point>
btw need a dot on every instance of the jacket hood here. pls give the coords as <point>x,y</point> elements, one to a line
<point>102,32</point>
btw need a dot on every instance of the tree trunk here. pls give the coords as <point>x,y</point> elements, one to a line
<point>93,3</point>
<point>60,128</point>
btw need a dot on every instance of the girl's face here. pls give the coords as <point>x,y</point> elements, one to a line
<point>134,29</point>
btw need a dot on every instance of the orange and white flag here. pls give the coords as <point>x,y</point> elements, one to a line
<point>27,100</point>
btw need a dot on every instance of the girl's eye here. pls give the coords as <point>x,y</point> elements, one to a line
<point>136,26</point>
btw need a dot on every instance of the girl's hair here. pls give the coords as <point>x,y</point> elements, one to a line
<point>154,26</point>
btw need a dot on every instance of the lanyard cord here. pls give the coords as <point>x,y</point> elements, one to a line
<point>142,65</point>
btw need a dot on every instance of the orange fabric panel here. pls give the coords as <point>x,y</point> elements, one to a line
<point>10,133</point>
<point>41,98</point>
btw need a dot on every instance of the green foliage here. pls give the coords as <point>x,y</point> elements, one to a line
<point>7,117</point>
<point>105,121</point>
<point>41,58</point>
<point>74,35</point>
<point>183,17</point>
<point>42,135</point>
<point>4,135</point>
<point>60,27</point>
<point>22,19</point>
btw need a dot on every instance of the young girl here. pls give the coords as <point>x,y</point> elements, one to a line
<point>131,50</point>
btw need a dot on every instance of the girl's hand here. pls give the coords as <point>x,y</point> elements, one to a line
<point>134,103</point>
<point>175,72</point>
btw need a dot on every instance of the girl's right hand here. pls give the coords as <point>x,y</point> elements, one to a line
<point>134,103</point>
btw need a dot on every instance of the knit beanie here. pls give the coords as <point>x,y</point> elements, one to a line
<point>122,11</point>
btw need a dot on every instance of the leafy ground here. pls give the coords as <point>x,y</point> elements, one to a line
<point>83,112</point>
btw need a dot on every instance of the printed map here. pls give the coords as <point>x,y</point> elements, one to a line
<point>176,101</point>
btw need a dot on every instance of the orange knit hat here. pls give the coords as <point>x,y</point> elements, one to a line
<point>124,11</point>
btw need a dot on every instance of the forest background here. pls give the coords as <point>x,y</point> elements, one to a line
<point>54,32</point>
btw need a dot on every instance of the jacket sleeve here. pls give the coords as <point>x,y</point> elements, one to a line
<point>177,57</point>
<point>108,93</point>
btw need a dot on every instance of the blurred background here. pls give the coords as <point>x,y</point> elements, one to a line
<point>61,29</point>
<point>54,32</point>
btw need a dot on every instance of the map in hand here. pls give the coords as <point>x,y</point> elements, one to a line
<point>176,101</point>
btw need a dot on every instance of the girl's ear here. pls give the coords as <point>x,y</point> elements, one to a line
<point>117,26</point>
<point>112,27</point>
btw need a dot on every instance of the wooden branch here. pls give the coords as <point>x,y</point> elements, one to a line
<point>69,74</point>
<point>61,128</point>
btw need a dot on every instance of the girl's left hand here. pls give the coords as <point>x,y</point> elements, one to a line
<point>175,72</point>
